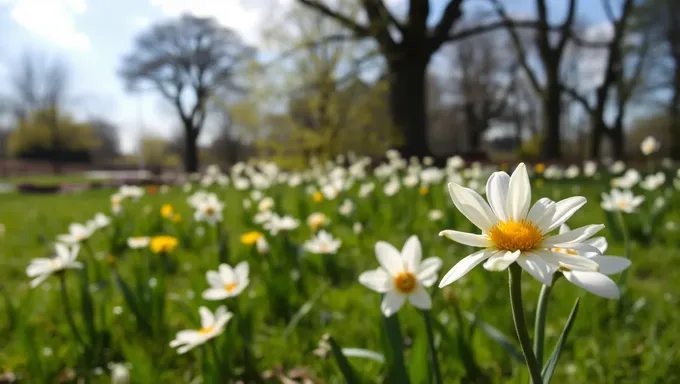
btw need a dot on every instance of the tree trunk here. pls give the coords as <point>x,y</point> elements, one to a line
<point>598,128</point>
<point>408,103</point>
<point>552,109</point>
<point>616,135</point>
<point>190,150</point>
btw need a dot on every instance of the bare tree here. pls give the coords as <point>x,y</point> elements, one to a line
<point>187,61</point>
<point>41,85</point>
<point>407,47</point>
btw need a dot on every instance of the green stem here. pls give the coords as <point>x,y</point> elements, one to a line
<point>515,282</point>
<point>626,247</point>
<point>90,253</point>
<point>433,350</point>
<point>67,309</point>
<point>539,325</point>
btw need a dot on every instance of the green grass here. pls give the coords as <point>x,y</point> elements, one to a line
<point>631,341</point>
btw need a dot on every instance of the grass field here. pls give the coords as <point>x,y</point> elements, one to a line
<point>295,297</point>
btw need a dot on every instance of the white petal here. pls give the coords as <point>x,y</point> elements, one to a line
<point>519,194</point>
<point>472,206</point>
<point>501,261</point>
<point>242,270</point>
<point>215,294</point>
<point>497,193</point>
<point>574,236</point>
<point>465,265</point>
<point>207,318</point>
<point>594,282</point>
<point>377,280</point>
<point>572,262</point>
<point>38,280</point>
<point>564,210</point>
<point>221,320</point>
<point>420,298</point>
<point>582,249</point>
<point>389,258</point>
<point>226,273</point>
<point>74,252</point>
<point>539,209</point>
<point>214,279</point>
<point>429,268</point>
<point>391,303</point>
<point>610,265</point>
<point>536,267</point>
<point>186,348</point>
<point>466,238</point>
<point>564,228</point>
<point>412,253</point>
<point>599,243</point>
<point>62,251</point>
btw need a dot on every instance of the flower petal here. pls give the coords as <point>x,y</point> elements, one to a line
<point>420,298</point>
<point>519,194</point>
<point>574,236</point>
<point>472,206</point>
<point>429,269</point>
<point>389,258</point>
<point>564,210</point>
<point>539,208</point>
<point>497,193</point>
<point>207,318</point>
<point>501,261</point>
<point>391,303</point>
<point>599,243</point>
<point>242,270</point>
<point>214,279</point>
<point>226,273</point>
<point>582,249</point>
<point>377,280</point>
<point>215,294</point>
<point>594,282</point>
<point>536,267</point>
<point>412,253</point>
<point>466,238</point>
<point>465,265</point>
<point>572,262</point>
<point>610,265</point>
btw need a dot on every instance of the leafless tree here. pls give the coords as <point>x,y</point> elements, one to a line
<point>187,61</point>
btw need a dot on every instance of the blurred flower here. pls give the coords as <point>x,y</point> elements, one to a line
<point>595,282</point>
<point>117,310</point>
<point>540,168</point>
<point>101,220</point>
<point>392,187</point>
<point>618,167</point>
<point>250,238</point>
<point>317,196</point>
<point>247,203</point>
<point>654,181</point>
<point>623,201</point>
<point>317,220</point>
<point>410,180</point>
<point>649,145</point>
<point>435,215</point>
<point>138,242</point>
<point>153,282</point>
<point>263,217</point>
<point>120,373</point>
<point>423,190</point>
<point>176,218</point>
<point>262,246</point>
<point>357,228</point>
<point>47,351</point>
<point>77,233</point>
<point>455,162</point>
<point>281,224</point>
<point>167,211</point>
<point>323,243</point>
<point>212,325</point>
<point>151,189</point>
<point>589,168</point>
<point>515,231</point>
<point>572,172</point>
<point>402,275</point>
<point>226,282</point>
<point>209,210</point>
<point>266,204</point>
<point>346,208</point>
<point>365,189</point>
<point>164,189</point>
<point>42,268</point>
<point>163,244</point>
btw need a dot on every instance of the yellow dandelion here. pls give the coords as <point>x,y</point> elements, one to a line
<point>163,244</point>
<point>540,167</point>
<point>423,190</point>
<point>317,197</point>
<point>167,211</point>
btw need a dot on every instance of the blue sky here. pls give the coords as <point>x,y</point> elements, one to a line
<point>92,35</point>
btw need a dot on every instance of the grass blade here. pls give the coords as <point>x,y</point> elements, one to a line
<point>551,364</point>
<point>497,336</point>
<point>364,354</point>
<point>302,312</point>
<point>344,365</point>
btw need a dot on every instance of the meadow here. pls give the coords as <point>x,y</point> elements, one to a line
<point>302,315</point>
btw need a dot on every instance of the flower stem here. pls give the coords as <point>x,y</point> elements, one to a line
<point>515,282</point>
<point>626,246</point>
<point>67,309</point>
<point>433,350</point>
<point>539,325</point>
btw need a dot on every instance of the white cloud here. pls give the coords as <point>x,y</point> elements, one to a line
<point>53,20</point>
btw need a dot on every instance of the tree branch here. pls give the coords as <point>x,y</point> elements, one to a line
<point>440,34</point>
<point>379,22</point>
<point>579,98</point>
<point>359,30</point>
<point>566,28</point>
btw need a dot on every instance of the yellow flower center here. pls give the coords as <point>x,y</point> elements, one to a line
<point>622,204</point>
<point>203,331</point>
<point>317,196</point>
<point>210,211</point>
<point>423,190</point>
<point>324,248</point>
<point>405,282</point>
<point>230,287</point>
<point>513,235</point>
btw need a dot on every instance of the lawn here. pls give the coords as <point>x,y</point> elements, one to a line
<point>136,301</point>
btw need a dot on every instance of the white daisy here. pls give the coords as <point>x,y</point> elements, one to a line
<point>212,325</point>
<point>278,224</point>
<point>323,243</point>
<point>42,268</point>
<point>514,232</point>
<point>596,282</point>
<point>402,275</point>
<point>226,281</point>
<point>77,233</point>
<point>209,210</point>
<point>649,145</point>
<point>623,201</point>
<point>138,242</point>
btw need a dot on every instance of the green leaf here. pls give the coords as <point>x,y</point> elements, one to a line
<point>395,356</point>
<point>344,365</point>
<point>364,354</point>
<point>418,363</point>
<point>87,304</point>
<point>497,336</point>
<point>10,309</point>
<point>549,368</point>
<point>303,311</point>
<point>132,303</point>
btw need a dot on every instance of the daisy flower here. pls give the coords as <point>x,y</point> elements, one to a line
<point>77,233</point>
<point>212,325</point>
<point>596,282</point>
<point>623,201</point>
<point>226,281</point>
<point>138,242</point>
<point>402,275</point>
<point>209,210</point>
<point>323,243</point>
<point>512,231</point>
<point>42,268</point>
